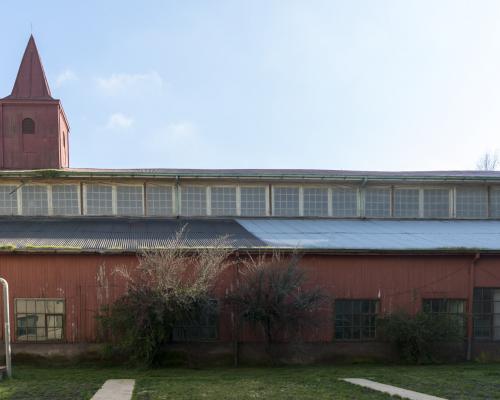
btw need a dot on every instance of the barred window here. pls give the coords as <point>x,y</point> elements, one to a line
<point>99,199</point>
<point>35,200</point>
<point>355,319</point>
<point>486,313</point>
<point>129,200</point>
<point>471,203</point>
<point>159,200</point>
<point>223,200</point>
<point>436,203</point>
<point>253,201</point>
<point>39,320</point>
<point>377,202</point>
<point>315,202</point>
<point>194,200</point>
<point>495,202</point>
<point>451,307</point>
<point>406,203</point>
<point>202,325</point>
<point>286,201</point>
<point>65,200</point>
<point>344,202</point>
<point>8,200</point>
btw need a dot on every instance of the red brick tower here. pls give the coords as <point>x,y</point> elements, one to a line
<point>33,127</point>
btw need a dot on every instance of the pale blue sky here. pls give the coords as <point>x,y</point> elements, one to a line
<point>377,85</point>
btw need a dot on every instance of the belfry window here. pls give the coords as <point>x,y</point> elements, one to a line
<point>28,126</point>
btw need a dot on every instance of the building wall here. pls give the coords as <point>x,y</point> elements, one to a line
<point>86,282</point>
<point>41,149</point>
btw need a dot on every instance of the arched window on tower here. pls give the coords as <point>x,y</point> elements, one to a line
<point>28,126</point>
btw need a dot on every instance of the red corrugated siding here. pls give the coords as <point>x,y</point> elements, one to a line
<point>401,280</point>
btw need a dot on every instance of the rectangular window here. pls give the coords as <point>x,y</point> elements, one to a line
<point>39,320</point>
<point>451,307</point>
<point>486,312</point>
<point>129,200</point>
<point>35,200</point>
<point>194,200</point>
<point>8,200</point>
<point>436,203</point>
<point>495,202</point>
<point>286,201</point>
<point>99,199</point>
<point>471,203</point>
<point>223,200</point>
<point>159,200</point>
<point>377,202</point>
<point>344,202</point>
<point>253,201</point>
<point>406,203</point>
<point>202,326</point>
<point>65,200</point>
<point>355,319</point>
<point>315,202</point>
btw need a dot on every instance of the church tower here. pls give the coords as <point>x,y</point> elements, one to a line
<point>33,127</point>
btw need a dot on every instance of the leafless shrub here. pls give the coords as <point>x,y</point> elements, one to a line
<point>168,285</point>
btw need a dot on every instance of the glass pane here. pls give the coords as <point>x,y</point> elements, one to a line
<point>223,200</point>
<point>253,201</point>
<point>65,200</point>
<point>406,203</point>
<point>377,203</point>
<point>316,202</point>
<point>286,201</point>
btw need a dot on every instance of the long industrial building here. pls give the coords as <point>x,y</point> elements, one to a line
<point>375,241</point>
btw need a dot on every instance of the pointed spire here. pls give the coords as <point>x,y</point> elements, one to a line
<point>31,82</point>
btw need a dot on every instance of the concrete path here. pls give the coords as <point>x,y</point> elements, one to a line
<point>115,389</point>
<point>392,390</point>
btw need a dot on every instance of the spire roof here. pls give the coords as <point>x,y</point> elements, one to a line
<point>31,82</point>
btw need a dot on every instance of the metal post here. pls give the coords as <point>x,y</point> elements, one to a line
<point>6,316</point>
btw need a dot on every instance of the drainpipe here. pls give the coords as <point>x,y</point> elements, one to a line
<point>6,316</point>
<point>470,300</point>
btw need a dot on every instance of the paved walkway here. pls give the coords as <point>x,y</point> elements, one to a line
<point>392,390</point>
<point>115,389</point>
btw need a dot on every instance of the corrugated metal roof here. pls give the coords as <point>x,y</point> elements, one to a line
<point>98,234</point>
<point>117,234</point>
<point>376,235</point>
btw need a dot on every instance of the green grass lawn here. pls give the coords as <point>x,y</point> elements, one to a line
<point>462,381</point>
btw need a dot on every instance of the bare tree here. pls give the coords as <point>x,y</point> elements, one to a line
<point>273,296</point>
<point>488,162</point>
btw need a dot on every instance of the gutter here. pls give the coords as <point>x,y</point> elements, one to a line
<point>61,173</point>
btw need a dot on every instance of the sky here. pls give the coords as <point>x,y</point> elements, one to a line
<point>322,84</point>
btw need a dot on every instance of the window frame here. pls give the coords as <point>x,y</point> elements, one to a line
<point>451,201</point>
<point>300,199</point>
<point>266,199</point>
<point>206,188</point>
<point>491,316</point>
<point>36,341</point>
<point>377,187</point>
<point>236,200</point>
<point>78,195</point>
<point>115,199</point>
<point>328,200</point>
<point>215,326</point>
<point>172,199</point>
<point>375,315</point>
<point>471,187</point>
